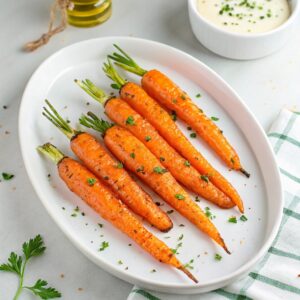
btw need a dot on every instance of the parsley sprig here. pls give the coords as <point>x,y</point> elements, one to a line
<point>17,264</point>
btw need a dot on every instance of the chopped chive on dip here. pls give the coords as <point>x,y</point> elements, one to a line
<point>179,196</point>
<point>232,220</point>
<point>7,176</point>
<point>243,218</point>
<point>148,138</point>
<point>159,170</point>
<point>130,121</point>
<point>104,245</point>
<point>91,181</point>
<point>218,257</point>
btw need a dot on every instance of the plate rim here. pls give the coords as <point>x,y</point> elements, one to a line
<point>179,287</point>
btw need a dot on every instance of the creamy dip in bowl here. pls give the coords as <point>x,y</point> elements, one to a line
<point>243,29</point>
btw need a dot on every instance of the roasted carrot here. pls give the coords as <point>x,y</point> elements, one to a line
<point>138,159</point>
<point>162,121</point>
<point>165,91</point>
<point>123,115</point>
<point>86,186</point>
<point>98,161</point>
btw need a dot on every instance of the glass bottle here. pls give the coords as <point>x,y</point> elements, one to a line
<point>88,13</point>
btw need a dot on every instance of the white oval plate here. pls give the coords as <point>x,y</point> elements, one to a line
<point>262,193</point>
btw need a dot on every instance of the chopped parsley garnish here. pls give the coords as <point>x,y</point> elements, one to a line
<point>73,215</point>
<point>183,97</point>
<point>119,165</point>
<point>193,135</point>
<point>198,95</point>
<point>174,100</point>
<point>170,211</point>
<point>175,250</point>
<point>159,170</point>
<point>197,199</point>
<point>180,237</point>
<point>120,262</point>
<point>232,220</point>
<point>218,257</point>
<point>215,118</point>
<point>91,181</point>
<point>179,196</point>
<point>189,128</point>
<point>130,121</point>
<point>208,213</point>
<point>204,178</point>
<point>232,160</point>
<point>104,245</point>
<point>173,115</point>
<point>189,264</point>
<point>187,163</point>
<point>148,138</point>
<point>76,209</point>
<point>100,225</point>
<point>243,218</point>
<point>105,177</point>
<point>162,158</point>
<point>153,271</point>
<point>132,155</point>
<point>140,169</point>
<point>7,176</point>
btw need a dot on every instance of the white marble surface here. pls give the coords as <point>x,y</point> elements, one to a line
<point>266,85</point>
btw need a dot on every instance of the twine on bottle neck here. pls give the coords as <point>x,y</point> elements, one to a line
<point>59,6</point>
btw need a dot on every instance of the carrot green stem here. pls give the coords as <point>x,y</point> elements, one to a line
<point>94,91</point>
<point>92,121</point>
<point>53,116</point>
<point>124,61</point>
<point>51,152</point>
<point>112,73</point>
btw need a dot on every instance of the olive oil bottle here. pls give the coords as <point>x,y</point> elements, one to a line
<point>88,13</point>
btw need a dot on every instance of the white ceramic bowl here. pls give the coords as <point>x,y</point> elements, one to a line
<point>241,46</point>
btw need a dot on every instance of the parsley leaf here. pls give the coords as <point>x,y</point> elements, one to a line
<point>215,118</point>
<point>218,257</point>
<point>34,247</point>
<point>204,178</point>
<point>243,218</point>
<point>7,176</point>
<point>91,181</point>
<point>179,196</point>
<point>17,264</point>
<point>40,289</point>
<point>232,220</point>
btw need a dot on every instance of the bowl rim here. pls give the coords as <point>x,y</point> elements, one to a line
<point>180,287</point>
<point>284,25</point>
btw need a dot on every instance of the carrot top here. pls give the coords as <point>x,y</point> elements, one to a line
<point>95,92</point>
<point>51,152</point>
<point>112,73</point>
<point>53,116</point>
<point>92,121</point>
<point>126,62</point>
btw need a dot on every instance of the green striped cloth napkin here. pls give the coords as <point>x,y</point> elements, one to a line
<point>277,275</point>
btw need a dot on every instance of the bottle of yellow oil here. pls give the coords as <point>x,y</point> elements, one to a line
<point>88,13</point>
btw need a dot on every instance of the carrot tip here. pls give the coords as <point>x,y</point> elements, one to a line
<point>245,172</point>
<point>188,273</point>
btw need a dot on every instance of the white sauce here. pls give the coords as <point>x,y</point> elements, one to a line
<point>244,16</point>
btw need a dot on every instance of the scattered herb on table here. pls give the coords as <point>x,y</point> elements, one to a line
<point>120,262</point>
<point>7,176</point>
<point>175,250</point>
<point>208,213</point>
<point>17,264</point>
<point>100,225</point>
